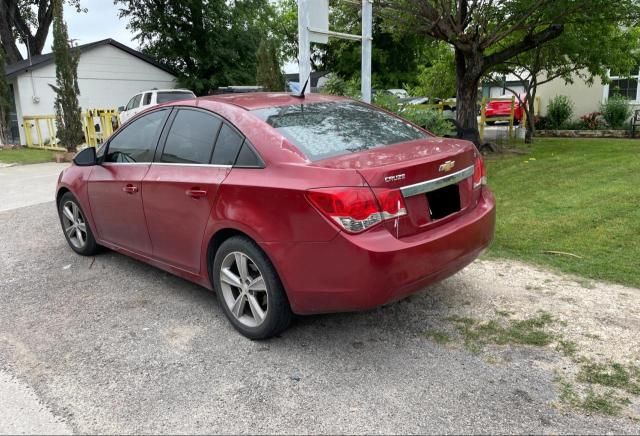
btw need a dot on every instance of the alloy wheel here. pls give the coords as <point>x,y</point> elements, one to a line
<point>74,224</point>
<point>244,289</point>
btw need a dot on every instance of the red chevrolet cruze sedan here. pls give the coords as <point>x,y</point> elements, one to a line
<point>282,204</point>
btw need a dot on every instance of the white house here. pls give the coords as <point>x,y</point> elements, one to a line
<point>109,74</point>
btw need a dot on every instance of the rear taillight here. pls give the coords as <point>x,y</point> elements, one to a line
<point>479,173</point>
<point>357,209</point>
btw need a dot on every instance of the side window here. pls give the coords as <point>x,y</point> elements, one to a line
<point>227,146</point>
<point>191,138</point>
<point>147,99</point>
<point>130,104</point>
<point>136,101</point>
<point>137,141</point>
<point>248,158</point>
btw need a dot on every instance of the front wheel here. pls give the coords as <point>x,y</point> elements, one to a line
<point>249,289</point>
<point>75,226</point>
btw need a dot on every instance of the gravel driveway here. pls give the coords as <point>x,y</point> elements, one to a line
<point>111,345</point>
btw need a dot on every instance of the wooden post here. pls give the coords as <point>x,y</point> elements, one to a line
<point>483,117</point>
<point>512,115</point>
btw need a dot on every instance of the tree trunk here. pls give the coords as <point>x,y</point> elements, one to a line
<point>468,73</point>
<point>531,113</point>
<point>7,11</point>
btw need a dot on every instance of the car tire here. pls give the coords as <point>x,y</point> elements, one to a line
<point>249,289</point>
<point>491,123</point>
<point>75,226</point>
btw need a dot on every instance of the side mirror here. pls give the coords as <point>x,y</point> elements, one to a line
<point>121,109</point>
<point>86,157</point>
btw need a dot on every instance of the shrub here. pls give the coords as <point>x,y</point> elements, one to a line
<point>543,123</point>
<point>335,85</point>
<point>591,121</point>
<point>430,119</point>
<point>559,111</point>
<point>387,101</point>
<point>615,111</point>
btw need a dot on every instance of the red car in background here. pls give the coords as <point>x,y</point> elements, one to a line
<point>282,204</point>
<point>502,108</point>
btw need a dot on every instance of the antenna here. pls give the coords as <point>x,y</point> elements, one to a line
<point>303,89</point>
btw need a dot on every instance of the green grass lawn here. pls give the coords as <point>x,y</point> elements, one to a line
<point>26,156</point>
<point>579,196</point>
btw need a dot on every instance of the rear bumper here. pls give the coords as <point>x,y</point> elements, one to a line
<point>358,272</point>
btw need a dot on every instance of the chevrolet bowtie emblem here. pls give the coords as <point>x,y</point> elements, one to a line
<point>447,166</point>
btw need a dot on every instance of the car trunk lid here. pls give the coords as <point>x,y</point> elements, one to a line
<point>433,174</point>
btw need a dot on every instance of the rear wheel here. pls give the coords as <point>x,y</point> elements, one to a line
<point>491,123</point>
<point>249,289</point>
<point>75,226</point>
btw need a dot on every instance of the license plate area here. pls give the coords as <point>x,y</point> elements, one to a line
<point>444,201</point>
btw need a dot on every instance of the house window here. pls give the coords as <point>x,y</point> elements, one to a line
<point>625,85</point>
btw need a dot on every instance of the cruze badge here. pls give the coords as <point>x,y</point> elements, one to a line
<point>447,166</point>
<point>395,178</point>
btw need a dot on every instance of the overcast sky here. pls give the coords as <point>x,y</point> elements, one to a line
<point>100,22</point>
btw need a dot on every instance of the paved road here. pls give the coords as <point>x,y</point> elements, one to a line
<point>110,345</point>
<point>24,185</point>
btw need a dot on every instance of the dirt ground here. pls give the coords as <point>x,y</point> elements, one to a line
<point>601,321</point>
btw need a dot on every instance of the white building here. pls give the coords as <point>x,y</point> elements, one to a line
<point>109,74</point>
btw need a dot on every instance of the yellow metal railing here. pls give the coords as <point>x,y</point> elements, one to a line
<point>510,118</point>
<point>98,124</point>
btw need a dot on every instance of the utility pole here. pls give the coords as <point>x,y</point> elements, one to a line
<point>367,39</point>
<point>304,45</point>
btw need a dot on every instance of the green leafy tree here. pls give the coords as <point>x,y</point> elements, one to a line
<point>268,72</point>
<point>68,113</point>
<point>27,22</point>
<point>485,34</point>
<point>437,79</point>
<point>209,43</point>
<point>395,57</point>
<point>584,51</point>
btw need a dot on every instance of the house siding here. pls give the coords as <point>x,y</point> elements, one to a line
<point>585,98</point>
<point>107,77</point>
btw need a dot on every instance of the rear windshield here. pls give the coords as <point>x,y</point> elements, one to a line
<point>164,97</point>
<point>322,130</point>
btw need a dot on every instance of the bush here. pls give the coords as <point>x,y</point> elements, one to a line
<point>591,121</point>
<point>559,111</point>
<point>338,86</point>
<point>388,102</point>
<point>430,119</point>
<point>615,111</point>
<point>543,123</point>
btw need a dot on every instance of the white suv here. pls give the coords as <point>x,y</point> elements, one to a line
<point>146,99</point>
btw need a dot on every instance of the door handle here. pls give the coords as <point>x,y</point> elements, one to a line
<point>195,193</point>
<point>130,189</point>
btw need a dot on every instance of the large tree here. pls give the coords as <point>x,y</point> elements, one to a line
<point>210,43</point>
<point>26,22</point>
<point>5,102</point>
<point>68,113</point>
<point>584,51</point>
<point>268,68</point>
<point>487,33</point>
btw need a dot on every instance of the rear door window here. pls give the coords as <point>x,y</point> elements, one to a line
<point>323,130</point>
<point>191,137</point>
<point>147,99</point>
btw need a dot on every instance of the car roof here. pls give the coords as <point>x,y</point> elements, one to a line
<point>261,100</point>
